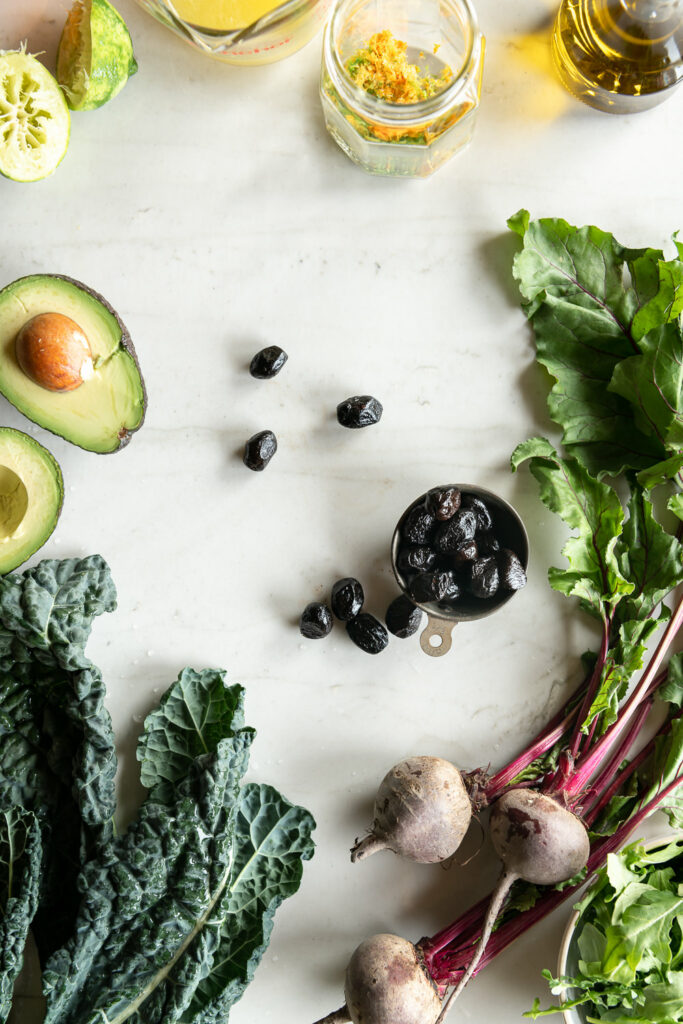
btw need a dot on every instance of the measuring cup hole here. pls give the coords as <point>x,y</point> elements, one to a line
<point>435,641</point>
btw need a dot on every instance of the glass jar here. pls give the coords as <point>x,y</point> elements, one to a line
<point>621,56</point>
<point>403,139</point>
<point>276,30</point>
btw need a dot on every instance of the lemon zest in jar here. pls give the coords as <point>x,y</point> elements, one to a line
<point>381,67</point>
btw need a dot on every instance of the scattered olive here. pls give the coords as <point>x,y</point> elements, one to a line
<point>347,598</point>
<point>512,574</point>
<point>434,586</point>
<point>416,558</point>
<point>402,617</point>
<point>484,578</point>
<point>444,503</point>
<point>315,621</point>
<point>359,411</point>
<point>419,525</point>
<point>465,554</point>
<point>484,521</point>
<point>456,531</point>
<point>368,633</point>
<point>259,450</point>
<point>268,362</point>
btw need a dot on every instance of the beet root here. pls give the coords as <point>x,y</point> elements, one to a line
<point>539,841</point>
<point>422,812</point>
<point>536,838</point>
<point>387,983</point>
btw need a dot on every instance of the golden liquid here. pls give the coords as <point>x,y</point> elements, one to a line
<point>619,55</point>
<point>223,14</point>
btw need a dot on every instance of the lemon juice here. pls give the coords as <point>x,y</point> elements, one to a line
<point>225,15</point>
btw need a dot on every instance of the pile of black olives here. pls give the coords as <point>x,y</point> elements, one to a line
<point>346,601</point>
<point>450,549</point>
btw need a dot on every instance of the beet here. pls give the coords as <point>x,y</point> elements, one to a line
<point>422,812</point>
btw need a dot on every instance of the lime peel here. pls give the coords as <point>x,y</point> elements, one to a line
<point>95,57</point>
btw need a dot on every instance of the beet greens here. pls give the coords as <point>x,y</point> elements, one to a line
<point>607,324</point>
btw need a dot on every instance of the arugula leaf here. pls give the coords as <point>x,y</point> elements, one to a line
<point>576,293</point>
<point>20,859</point>
<point>594,510</point>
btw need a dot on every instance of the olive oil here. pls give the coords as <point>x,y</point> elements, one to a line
<point>621,56</point>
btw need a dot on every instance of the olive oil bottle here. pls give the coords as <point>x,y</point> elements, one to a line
<point>621,56</point>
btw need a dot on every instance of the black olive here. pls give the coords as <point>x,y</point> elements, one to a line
<point>484,578</point>
<point>315,621</point>
<point>368,633</point>
<point>434,586</point>
<point>268,362</point>
<point>512,574</point>
<point>259,450</point>
<point>444,503</point>
<point>418,526</point>
<point>347,598</point>
<point>359,411</point>
<point>402,617</point>
<point>487,544</point>
<point>484,521</point>
<point>456,531</point>
<point>465,554</point>
<point>416,558</point>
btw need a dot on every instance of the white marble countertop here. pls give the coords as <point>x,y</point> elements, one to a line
<point>210,207</point>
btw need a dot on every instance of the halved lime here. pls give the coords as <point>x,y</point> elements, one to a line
<point>34,119</point>
<point>95,57</point>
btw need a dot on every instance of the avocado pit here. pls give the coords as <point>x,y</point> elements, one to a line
<point>54,352</point>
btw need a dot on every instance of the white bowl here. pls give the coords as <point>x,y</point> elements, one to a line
<point>567,961</point>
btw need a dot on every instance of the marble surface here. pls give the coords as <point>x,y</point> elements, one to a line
<point>209,206</point>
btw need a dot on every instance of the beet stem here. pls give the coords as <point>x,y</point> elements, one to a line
<point>340,1016</point>
<point>505,883</point>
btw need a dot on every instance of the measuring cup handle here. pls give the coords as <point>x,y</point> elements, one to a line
<point>441,630</point>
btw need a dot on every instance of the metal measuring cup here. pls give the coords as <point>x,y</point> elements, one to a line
<point>442,618</point>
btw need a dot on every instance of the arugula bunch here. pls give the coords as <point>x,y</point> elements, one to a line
<point>168,921</point>
<point>627,953</point>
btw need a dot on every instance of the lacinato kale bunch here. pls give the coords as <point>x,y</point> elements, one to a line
<point>167,921</point>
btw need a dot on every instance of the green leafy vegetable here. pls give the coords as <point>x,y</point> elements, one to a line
<point>628,944</point>
<point>168,921</point>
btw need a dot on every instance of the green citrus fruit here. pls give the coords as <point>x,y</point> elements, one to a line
<point>95,57</point>
<point>34,119</point>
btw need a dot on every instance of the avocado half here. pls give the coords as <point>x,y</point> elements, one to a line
<point>31,494</point>
<point>105,411</point>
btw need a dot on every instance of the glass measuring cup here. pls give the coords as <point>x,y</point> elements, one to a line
<point>509,530</point>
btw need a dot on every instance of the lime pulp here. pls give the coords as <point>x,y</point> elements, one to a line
<point>34,118</point>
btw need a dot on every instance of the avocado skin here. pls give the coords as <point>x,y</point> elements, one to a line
<point>38,451</point>
<point>126,343</point>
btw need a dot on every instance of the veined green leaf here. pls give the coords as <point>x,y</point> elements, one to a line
<point>672,689</point>
<point>666,305</point>
<point>648,556</point>
<point>581,290</point>
<point>20,863</point>
<point>652,382</point>
<point>193,715</point>
<point>591,508</point>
